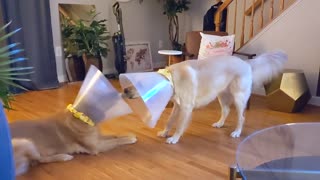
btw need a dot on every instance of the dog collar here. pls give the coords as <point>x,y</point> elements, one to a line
<point>79,115</point>
<point>167,74</point>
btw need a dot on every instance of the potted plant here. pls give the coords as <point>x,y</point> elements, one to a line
<point>9,74</point>
<point>171,8</point>
<point>92,41</point>
<point>74,63</point>
<point>7,77</point>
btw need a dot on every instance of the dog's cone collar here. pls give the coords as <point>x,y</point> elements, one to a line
<point>98,99</point>
<point>155,91</point>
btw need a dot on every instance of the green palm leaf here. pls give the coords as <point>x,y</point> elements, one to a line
<point>15,69</point>
<point>6,48</point>
<point>9,34</point>
<point>7,62</point>
<point>7,73</point>
<point>8,82</point>
<point>10,53</point>
<point>15,73</point>
<point>5,26</point>
<point>6,77</point>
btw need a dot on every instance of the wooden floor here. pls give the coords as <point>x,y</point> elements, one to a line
<point>203,153</point>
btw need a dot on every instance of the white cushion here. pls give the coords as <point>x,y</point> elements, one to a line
<point>212,45</point>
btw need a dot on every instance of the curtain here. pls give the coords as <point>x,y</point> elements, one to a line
<point>33,16</point>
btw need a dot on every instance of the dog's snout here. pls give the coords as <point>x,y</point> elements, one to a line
<point>126,90</point>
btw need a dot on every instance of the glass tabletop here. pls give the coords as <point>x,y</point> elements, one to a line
<point>290,151</point>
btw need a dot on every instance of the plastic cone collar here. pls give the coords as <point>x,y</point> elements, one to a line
<point>155,92</point>
<point>98,99</point>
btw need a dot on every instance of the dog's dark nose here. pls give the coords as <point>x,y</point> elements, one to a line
<point>126,90</point>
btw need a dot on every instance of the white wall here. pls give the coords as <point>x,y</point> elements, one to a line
<point>198,9</point>
<point>146,22</point>
<point>142,22</point>
<point>296,31</point>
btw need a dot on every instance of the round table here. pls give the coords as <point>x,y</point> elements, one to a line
<point>284,152</point>
<point>170,53</point>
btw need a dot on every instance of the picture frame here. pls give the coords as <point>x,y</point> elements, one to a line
<point>138,57</point>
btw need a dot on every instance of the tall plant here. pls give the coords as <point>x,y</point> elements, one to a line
<point>171,8</point>
<point>10,74</point>
<point>69,44</point>
<point>92,39</point>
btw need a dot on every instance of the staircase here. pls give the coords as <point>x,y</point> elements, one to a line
<point>289,25</point>
<point>246,18</point>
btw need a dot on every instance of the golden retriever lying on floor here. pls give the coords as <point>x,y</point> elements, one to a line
<point>198,82</point>
<point>56,138</point>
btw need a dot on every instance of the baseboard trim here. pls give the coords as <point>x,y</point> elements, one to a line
<point>315,100</point>
<point>62,78</point>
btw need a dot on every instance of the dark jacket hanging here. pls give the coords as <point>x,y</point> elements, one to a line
<point>208,19</point>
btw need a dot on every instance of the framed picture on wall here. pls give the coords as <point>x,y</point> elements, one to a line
<point>138,56</point>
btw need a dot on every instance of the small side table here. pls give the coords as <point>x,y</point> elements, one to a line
<point>170,53</point>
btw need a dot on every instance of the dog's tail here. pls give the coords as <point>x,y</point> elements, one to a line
<point>24,152</point>
<point>266,66</point>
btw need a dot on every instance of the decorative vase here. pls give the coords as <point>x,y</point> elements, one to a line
<point>92,60</point>
<point>75,68</point>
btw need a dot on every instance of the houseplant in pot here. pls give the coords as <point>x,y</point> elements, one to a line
<point>74,63</point>
<point>92,41</point>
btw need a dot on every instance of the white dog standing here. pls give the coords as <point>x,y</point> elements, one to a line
<point>196,83</point>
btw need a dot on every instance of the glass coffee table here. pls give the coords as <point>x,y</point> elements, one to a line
<point>285,152</point>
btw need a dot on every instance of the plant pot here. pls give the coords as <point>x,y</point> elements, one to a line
<point>75,68</point>
<point>92,60</point>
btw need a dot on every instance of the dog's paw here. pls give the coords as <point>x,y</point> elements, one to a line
<point>173,140</point>
<point>64,157</point>
<point>163,133</point>
<point>235,134</point>
<point>132,139</point>
<point>217,124</point>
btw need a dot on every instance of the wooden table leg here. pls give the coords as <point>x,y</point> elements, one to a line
<point>170,60</point>
<point>234,173</point>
